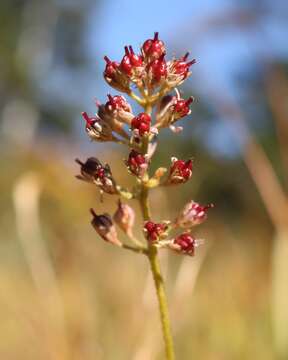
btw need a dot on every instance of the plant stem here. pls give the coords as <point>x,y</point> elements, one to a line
<point>152,255</point>
<point>162,302</point>
<point>158,281</point>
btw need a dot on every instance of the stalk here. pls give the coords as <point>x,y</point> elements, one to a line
<point>152,255</point>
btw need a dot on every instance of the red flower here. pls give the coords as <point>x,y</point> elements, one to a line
<point>181,66</point>
<point>130,61</point>
<point>142,123</point>
<point>158,69</point>
<point>90,121</point>
<point>136,163</point>
<point>154,48</point>
<point>180,171</point>
<point>181,107</point>
<point>117,102</point>
<point>154,231</point>
<point>193,214</point>
<point>185,243</point>
<point>111,68</point>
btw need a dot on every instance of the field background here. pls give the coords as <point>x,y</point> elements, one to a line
<point>64,293</point>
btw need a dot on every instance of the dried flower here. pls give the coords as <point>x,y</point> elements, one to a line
<point>192,214</point>
<point>124,217</point>
<point>93,171</point>
<point>97,129</point>
<point>103,224</point>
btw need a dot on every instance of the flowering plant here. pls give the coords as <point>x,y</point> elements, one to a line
<point>153,78</point>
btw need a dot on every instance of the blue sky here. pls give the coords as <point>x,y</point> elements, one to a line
<point>196,26</point>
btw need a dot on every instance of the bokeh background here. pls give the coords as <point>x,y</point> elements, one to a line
<point>64,293</point>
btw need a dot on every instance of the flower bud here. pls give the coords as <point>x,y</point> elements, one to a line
<point>137,163</point>
<point>157,70</point>
<point>104,227</point>
<point>171,109</point>
<point>178,70</point>
<point>155,232</point>
<point>113,76</point>
<point>180,171</point>
<point>181,108</point>
<point>192,214</point>
<point>116,103</point>
<point>118,107</point>
<point>131,64</point>
<point>159,173</point>
<point>153,48</point>
<point>141,123</point>
<point>111,68</point>
<point>97,129</point>
<point>181,66</point>
<point>185,244</point>
<point>124,217</point>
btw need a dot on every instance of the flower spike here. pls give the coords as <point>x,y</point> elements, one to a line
<point>151,80</point>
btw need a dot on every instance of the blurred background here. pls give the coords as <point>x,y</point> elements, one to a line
<point>64,293</point>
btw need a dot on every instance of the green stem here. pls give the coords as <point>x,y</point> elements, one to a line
<point>158,281</point>
<point>144,202</point>
<point>138,249</point>
<point>152,255</point>
<point>162,302</point>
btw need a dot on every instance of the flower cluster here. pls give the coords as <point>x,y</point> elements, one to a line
<point>148,78</point>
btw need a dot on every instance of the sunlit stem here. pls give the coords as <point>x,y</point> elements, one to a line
<point>152,254</point>
<point>137,98</point>
<point>137,249</point>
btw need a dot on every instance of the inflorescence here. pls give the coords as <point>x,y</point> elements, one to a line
<point>148,78</point>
